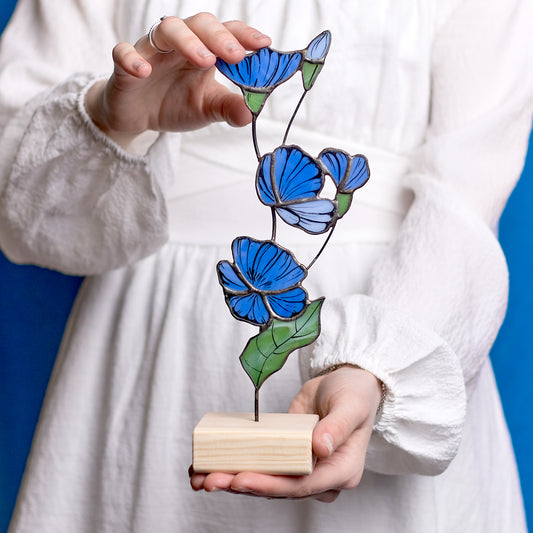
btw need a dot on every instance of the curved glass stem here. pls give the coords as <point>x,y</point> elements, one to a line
<point>322,247</point>
<point>293,117</point>
<point>254,137</point>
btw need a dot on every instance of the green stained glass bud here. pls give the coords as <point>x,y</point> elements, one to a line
<point>254,101</point>
<point>310,71</point>
<point>344,201</point>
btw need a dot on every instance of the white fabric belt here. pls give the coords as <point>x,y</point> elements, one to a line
<point>213,199</point>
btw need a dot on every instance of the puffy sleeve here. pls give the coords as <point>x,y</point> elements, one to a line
<point>439,295</point>
<point>70,198</point>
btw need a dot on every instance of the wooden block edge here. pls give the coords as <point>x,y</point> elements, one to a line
<point>246,447</point>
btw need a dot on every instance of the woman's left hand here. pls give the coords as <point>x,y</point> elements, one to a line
<point>346,401</point>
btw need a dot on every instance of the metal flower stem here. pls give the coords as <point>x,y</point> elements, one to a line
<point>256,406</point>
<point>322,247</point>
<point>293,117</point>
<point>254,137</point>
<point>274,221</point>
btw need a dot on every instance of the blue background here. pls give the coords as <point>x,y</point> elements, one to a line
<point>35,303</point>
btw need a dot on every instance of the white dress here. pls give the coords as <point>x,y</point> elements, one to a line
<point>415,281</point>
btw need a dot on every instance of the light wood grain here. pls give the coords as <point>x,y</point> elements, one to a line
<point>279,443</point>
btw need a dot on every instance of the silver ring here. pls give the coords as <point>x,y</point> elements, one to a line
<point>151,37</point>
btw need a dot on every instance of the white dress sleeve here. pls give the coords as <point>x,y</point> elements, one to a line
<point>439,296</point>
<point>70,198</point>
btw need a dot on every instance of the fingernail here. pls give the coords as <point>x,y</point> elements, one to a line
<point>259,35</point>
<point>327,439</point>
<point>214,489</point>
<point>234,47</point>
<point>241,489</point>
<point>138,64</point>
<point>204,52</point>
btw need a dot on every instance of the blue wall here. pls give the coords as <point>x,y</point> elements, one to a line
<point>34,305</point>
<point>6,9</point>
<point>512,352</point>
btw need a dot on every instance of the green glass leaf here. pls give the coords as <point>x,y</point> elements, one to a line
<point>344,201</point>
<point>267,352</point>
<point>254,100</point>
<point>310,71</point>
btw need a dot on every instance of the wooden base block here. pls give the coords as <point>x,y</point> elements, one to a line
<point>279,443</point>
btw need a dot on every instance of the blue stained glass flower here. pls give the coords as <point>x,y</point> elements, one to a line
<point>318,48</point>
<point>348,172</point>
<point>259,73</point>
<point>290,180</point>
<point>264,282</point>
<point>314,56</point>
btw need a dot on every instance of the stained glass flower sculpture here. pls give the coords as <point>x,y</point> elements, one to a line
<point>263,282</point>
<point>348,172</point>
<point>262,286</point>
<point>259,73</point>
<point>290,180</point>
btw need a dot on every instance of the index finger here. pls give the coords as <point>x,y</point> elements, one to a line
<point>228,40</point>
<point>202,37</point>
<point>250,38</point>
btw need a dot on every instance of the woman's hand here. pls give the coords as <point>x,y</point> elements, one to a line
<point>346,401</point>
<point>176,91</point>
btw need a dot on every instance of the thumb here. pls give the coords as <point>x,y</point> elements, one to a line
<point>226,106</point>
<point>334,429</point>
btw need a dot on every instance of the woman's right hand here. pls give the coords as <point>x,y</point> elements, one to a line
<point>176,91</point>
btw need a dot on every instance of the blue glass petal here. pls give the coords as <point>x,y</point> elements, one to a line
<point>229,278</point>
<point>264,68</point>
<point>318,47</point>
<point>288,304</point>
<point>348,172</point>
<point>264,181</point>
<point>336,162</point>
<point>266,266</point>
<point>238,73</point>
<point>314,216</point>
<point>250,308</point>
<point>296,174</point>
<point>288,216</point>
<point>359,174</point>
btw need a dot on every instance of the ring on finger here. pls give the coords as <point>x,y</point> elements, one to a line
<point>151,37</point>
